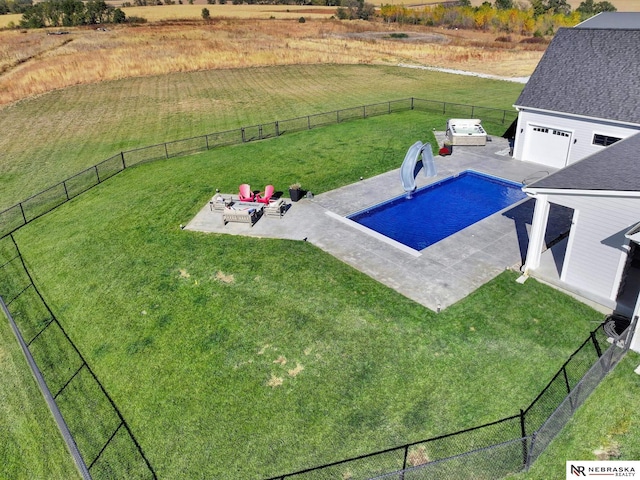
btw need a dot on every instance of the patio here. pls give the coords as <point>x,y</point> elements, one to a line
<point>435,277</point>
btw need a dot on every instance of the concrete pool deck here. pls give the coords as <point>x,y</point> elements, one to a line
<point>435,277</point>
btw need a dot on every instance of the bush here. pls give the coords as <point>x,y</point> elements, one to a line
<point>301,20</point>
<point>134,19</point>
<point>533,40</point>
<point>506,39</point>
<point>206,15</point>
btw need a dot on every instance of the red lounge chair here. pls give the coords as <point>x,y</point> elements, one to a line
<point>268,193</point>
<point>246,195</point>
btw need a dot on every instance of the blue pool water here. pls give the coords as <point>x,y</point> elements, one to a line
<point>441,209</point>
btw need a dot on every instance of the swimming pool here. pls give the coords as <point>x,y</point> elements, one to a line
<point>441,209</point>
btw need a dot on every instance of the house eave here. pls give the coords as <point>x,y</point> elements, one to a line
<point>520,108</point>
<point>532,192</point>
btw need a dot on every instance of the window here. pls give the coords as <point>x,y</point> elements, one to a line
<point>604,140</point>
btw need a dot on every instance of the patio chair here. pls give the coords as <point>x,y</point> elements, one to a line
<point>246,195</point>
<point>268,193</point>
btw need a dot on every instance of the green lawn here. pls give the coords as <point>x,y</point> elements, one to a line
<point>607,422</point>
<point>31,446</point>
<point>240,357</point>
<point>261,357</point>
<point>51,137</point>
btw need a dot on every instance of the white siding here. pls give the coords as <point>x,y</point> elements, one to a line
<point>582,131</point>
<point>598,243</point>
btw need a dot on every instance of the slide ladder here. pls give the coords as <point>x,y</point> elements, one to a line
<point>410,167</point>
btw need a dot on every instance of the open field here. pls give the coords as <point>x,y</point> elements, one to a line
<point>231,354</point>
<point>51,137</point>
<point>33,63</point>
<point>194,12</point>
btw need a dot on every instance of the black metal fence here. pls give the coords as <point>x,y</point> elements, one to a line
<point>106,444</point>
<point>496,449</point>
<point>41,203</point>
<point>110,450</point>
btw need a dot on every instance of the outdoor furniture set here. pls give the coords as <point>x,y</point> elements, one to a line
<point>248,207</point>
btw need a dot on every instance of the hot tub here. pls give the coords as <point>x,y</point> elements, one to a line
<point>469,131</point>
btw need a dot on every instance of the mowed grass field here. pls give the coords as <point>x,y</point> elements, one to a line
<point>237,357</point>
<point>51,137</point>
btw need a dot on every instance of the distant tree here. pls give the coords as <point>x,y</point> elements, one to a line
<point>70,13</point>
<point>118,16</point>
<point>14,6</point>
<point>355,9</point>
<point>605,7</point>
<point>540,7</point>
<point>504,4</point>
<point>586,7</point>
<point>97,11</point>
<point>559,6</point>
<point>589,8</point>
<point>206,15</point>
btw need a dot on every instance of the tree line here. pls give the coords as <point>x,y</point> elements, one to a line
<point>70,13</point>
<point>538,18</point>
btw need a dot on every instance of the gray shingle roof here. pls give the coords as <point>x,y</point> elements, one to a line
<point>615,168</point>
<point>612,20</point>
<point>588,72</point>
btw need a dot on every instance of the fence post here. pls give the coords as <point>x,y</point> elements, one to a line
<point>411,103</point>
<point>166,151</point>
<point>66,192</point>
<point>364,111</point>
<point>24,217</point>
<point>95,167</point>
<point>595,343</point>
<point>277,128</point>
<point>523,432</point>
<point>337,116</point>
<point>308,122</point>
<point>472,110</point>
<point>504,116</point>
<point>124,165</point>
<point>566,379</point>
<point>404,461</point>
<point>444,107</point>
<point>566,382</point>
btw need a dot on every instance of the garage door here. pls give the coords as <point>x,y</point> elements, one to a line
<point>546,146</point>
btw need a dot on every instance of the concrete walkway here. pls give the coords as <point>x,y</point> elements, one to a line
<point>435,277</point>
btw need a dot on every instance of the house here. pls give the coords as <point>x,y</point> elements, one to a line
<point>583,96</point>
<point>580,112</point>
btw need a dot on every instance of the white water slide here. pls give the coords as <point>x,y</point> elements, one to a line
<point>409,169</point>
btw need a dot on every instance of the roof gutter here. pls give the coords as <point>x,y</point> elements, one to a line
<point>583,117</point>
<point>533,191</point>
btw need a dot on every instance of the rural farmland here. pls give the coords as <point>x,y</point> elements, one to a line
<point>234,356</point>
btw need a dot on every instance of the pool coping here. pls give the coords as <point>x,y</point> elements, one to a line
<point>435,277</point>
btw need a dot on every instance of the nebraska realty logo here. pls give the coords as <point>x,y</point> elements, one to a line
<point>589,469</point>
